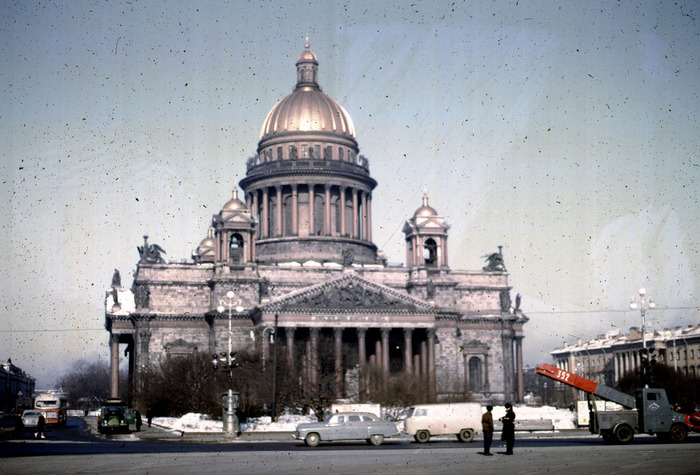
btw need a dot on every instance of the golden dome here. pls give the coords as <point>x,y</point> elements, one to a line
<point>234,203</point>
<point>425,210</point>
<point>205,250</point>
<point>307,108</point>
<point>307,55</point>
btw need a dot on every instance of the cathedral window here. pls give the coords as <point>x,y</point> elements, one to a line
<point>287,216</point>
<point>304,151</point>
<point>236,249</point>
<point>319,214</point>
<point>340,154</point>
<point>475,384</point>
<point>430,252</point>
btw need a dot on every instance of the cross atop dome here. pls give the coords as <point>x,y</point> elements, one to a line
<point>307,68</point>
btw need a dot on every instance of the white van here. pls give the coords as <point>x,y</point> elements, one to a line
<point>462,419</point>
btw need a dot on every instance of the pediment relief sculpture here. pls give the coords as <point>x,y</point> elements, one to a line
<point>348,294</point>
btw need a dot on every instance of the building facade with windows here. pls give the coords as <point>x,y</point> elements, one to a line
<point>16,386</point>
<point>295,248</point>
<point>608,357</point>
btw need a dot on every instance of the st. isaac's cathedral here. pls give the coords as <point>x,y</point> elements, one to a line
<point>294,252</point>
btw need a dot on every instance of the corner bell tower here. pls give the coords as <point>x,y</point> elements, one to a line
<point>235,228</point>
<point>426,238</point>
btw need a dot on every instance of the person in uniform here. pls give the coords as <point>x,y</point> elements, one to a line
<point>508,433</point>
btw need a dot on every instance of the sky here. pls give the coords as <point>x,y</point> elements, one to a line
<point>566,132</point>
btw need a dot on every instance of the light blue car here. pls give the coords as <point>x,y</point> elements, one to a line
<point>346,426</point>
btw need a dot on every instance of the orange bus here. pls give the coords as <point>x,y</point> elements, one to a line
<point>54,405</point>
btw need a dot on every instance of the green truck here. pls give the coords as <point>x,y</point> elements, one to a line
<point>115,417</point>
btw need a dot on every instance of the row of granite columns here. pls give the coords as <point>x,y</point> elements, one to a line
<point>267,200</point>
<point>421,365</point>
<point>625,361</point>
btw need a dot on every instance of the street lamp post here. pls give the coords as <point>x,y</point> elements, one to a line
<point>274,373</point>
<point>643,303</point>
<point>230,360</point>
<point>273,341</point>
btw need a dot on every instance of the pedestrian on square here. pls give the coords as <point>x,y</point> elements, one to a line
<point>487,428</point>
<point>508,433</point>
<point>138,421</point>
<point>40,427</point>
<point>19,426</point>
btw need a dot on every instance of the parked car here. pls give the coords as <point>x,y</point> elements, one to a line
<point>461,419</point>
<point>346,426</point>
<point>30,418</point>
<point>115,416</point>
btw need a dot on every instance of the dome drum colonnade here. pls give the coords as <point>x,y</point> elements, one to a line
<point>307,181</point>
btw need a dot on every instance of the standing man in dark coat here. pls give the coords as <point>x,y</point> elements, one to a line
<point>487,428</point>
<point>40,427</point>
<point>138,421</point>
<point>508,433</point>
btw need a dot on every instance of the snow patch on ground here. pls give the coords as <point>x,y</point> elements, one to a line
<point>562,419</point>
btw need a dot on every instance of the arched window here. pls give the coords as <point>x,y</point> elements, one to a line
<point>319,214</point>
<point>475,383</point>
<point>287,216</point>
<point>430,252</point>
<point>236,249</point>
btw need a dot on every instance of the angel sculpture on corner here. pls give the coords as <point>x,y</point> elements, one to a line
<point>150,253</point>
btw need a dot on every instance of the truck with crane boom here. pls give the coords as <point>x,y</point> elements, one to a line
<point>647,413</point>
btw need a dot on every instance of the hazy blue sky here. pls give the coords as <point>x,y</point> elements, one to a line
<point>565,131</point>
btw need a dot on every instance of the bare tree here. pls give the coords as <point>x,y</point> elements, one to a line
<point>681,388</point>
<point>87,383</point>
<point>181,384</point>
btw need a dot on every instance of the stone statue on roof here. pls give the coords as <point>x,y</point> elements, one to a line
<point>150,253</point>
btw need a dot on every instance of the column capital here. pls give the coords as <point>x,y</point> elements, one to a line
<point>432,332</point>
<point>314,331</point>
<point>361,332</point>
<point>385,332</point>
<point>407,332</point>
<point>338,332</point>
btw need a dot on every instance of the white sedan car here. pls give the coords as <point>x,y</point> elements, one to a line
<point>30,418</point>
<point>347,426</point>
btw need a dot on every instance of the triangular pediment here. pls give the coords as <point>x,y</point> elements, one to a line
<point>349,294</point>
<point>238,218</point>
<point>433,222</point>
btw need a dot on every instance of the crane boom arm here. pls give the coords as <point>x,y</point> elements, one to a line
<point>587,385</point>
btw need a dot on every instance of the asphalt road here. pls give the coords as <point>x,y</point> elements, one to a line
<point>77,450</point>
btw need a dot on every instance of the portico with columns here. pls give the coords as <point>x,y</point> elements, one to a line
<point>392,332</point>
